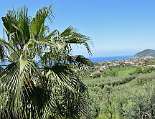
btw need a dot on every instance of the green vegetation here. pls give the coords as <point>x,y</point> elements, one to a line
<point>119,71</point>
<point>52,89</point>
<point>127,95</point>
<point>143,70</point>
<point>49,89</point>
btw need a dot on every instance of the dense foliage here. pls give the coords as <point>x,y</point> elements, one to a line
<point>127,95</point>
<point>40,80</point>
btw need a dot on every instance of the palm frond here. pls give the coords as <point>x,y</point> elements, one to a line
<point>17,80</point>
<point>38,22</point>
<point>50,89</point>
<point>8,51</point>
<point>8,21</point>
<point>1,52</point>
<point>67,92</point>
<point>80,60</point>
<point>72,37</point>
<point>16,24</point>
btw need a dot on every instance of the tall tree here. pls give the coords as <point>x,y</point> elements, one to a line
<point>46,89</point>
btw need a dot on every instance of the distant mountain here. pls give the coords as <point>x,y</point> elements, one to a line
<point>146,53</point>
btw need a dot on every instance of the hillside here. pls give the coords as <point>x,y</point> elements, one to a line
<point>122,92</point>
<point>146,53</point>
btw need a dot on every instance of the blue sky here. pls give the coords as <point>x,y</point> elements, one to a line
<point>116,27</point>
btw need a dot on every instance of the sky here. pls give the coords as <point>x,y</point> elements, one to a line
<point>116,27</point>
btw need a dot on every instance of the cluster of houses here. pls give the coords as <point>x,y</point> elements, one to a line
<point>101,67</point>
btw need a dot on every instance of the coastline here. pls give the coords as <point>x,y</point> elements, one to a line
<point>110,58</point>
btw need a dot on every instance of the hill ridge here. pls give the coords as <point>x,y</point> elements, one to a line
<point>146,53</point>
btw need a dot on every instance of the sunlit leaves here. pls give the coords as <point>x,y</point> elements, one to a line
<point>45,88</point>
<point>37,26</point>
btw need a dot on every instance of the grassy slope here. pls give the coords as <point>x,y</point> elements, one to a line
<point>124,91</point>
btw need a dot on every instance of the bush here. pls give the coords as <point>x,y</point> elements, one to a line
<point>111,72</point>
<point>143,70</point>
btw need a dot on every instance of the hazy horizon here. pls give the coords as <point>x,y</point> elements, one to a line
<point>116,27</point>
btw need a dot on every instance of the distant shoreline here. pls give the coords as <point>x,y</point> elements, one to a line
<point>110,58</point>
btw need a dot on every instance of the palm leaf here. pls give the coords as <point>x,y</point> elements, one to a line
<point>67,92</point>
<point>80,60</point>
<point>1,52</point>
<point>72,37</point>
<point>16,24</point>
<point>17,79</point>
<point>60,92</point>
<point>38,22</point>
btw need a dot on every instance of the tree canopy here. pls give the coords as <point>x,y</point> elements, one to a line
<point>47,87</point>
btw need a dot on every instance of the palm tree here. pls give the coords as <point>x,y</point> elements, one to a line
<point>46,89</point>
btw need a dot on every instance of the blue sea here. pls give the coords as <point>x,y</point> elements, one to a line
<point>95,59</point>
<point>106,59</point>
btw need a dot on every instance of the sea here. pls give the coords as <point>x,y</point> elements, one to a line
<point>93,59</point>
<point>107,59</point>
